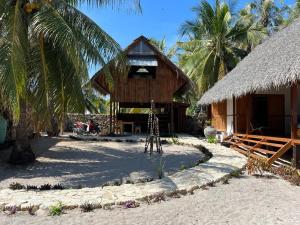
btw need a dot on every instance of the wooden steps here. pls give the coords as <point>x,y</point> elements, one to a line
<point>261,147</point>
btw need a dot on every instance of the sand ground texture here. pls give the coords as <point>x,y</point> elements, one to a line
<point>91,164</point>
<point>245,200</point>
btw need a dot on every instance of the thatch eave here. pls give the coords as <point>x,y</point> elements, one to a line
<point>273,64</point>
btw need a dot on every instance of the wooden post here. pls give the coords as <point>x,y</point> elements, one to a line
<point>294,125</point>
<point>294,122</point>
<point>172,119</point>
<point>114,116</point>
<point>234,114</point>
<point>248,113</point>
<point>110,116</point>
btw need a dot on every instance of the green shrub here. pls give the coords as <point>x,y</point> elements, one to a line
<point>16,186</point>
<point>212,140</point>
<point>182,167</point>
<point>56,209</point>
<point>87,207</point>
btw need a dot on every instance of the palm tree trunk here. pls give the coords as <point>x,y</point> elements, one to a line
<point>22,152</point>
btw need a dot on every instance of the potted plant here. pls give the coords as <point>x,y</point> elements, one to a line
<point>209,131</point>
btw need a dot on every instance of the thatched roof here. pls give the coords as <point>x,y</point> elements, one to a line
<point>272,64</point>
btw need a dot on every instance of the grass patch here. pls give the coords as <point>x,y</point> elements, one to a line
<point>56,210</point>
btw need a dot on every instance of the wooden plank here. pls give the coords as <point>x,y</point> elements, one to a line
<point>278,139</point>
<point>262,143</point>
<point>280,152</point>
<point>247,154</point>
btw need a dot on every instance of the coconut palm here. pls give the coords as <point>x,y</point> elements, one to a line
<point>162,46</point>
<point>45,49</point>
<point>268,14</point>
<point>213,46</point>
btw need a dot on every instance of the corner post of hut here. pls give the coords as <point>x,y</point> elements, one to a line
<point>294,125</point>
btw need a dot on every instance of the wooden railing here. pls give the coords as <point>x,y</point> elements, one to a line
<point>262,147</point>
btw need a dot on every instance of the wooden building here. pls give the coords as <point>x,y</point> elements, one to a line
<point>151,76</point>
<point>257,104</point>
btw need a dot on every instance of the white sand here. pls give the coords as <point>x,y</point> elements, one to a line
<point>91,164</point>
<point>248,200</point>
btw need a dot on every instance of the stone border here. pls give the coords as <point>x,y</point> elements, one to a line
<point>222,164</point>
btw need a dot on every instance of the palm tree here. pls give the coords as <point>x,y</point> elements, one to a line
<point>45,49</point>
<point>255,31</point>
<point>294,12</point>
<point>213,47</point>
<point>268,14</point>
<point>162,46</point>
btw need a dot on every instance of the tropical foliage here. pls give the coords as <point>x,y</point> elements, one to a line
<point>218,38</point>
<point>46,47</point>
<point>45,50</point>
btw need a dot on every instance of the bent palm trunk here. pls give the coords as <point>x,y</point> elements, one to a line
<point>22,152</point>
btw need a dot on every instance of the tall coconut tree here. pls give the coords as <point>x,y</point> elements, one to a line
<point>213,45</point>
<point>45,49</point>
<point>268,13</point>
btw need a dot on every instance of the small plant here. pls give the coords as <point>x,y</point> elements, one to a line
<point>160,168</point>
<point>159,197</point>
<point>131,204</point>
<point>182,167</point>
<point>56,210</point>
<point>235,173</point>
<point>16,186</point>
<point>211,184</point>
<point>31,210</point>
<point>175,141</point>
<point>87,207</point>
<point>12,210</point>
<point>226,180</point>
<point>45,187</point>
<point>31,187</point>
<point>212,140</point>
<point>58,187</point>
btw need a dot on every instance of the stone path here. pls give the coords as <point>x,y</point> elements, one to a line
<point>223,162</point>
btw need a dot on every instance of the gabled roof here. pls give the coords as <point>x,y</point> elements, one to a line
<point>152,50</point>
<point>272,64</point>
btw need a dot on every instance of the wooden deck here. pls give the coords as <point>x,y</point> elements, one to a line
<point>262,147</point>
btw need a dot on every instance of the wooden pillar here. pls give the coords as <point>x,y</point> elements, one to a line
<point>172,118</point>
<point>294,122</point>
<point>248,113</point>
<point>294,125</point>
<point>110,116</point>
<point>234,114</point>
<point>114,116</point>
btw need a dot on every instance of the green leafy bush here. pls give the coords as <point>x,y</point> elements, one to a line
<point>212,140</point>
<point>56,209</point>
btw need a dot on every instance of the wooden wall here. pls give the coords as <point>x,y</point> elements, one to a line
<point>219,115</point>
<point>161,89</point>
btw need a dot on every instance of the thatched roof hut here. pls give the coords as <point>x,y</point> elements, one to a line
<point>274,63</point>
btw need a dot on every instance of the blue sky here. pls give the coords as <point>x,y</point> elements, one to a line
<point>160,18</point>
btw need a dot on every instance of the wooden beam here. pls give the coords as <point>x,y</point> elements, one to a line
<point>234,114</point>
<point>110,116</point>
<point>294,122</point>
<point>248,113</point>
<point>172,118</point>
<point>280,152</point>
